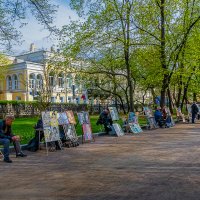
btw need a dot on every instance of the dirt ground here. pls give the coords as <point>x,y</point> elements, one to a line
<point>162,164</point>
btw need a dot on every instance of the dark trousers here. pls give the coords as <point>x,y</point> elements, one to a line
<point>193,117</point>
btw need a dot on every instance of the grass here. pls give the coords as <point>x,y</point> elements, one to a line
<point>24,126</point>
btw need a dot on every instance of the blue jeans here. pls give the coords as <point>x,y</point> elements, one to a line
<point>5,142</point>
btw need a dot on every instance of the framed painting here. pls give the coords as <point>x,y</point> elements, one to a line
<point>113,113</point>
<point>70,116</point>
<point>118,130</point>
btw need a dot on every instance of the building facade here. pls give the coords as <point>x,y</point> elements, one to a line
<point>27,78</point>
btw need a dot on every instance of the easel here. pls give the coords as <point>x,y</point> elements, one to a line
<point>150,118</point>
<point>84,121</point>
<point>47,128</point>
<point>115,117</point>
<point>133,124</point>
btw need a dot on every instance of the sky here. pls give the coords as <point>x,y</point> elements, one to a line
<point>35,33</point>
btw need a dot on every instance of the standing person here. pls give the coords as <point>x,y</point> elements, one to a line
<point>6,137</point>
<point>194,110</point>
<point>106,120</point>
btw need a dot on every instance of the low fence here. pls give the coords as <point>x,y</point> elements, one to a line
<point>29,110</point>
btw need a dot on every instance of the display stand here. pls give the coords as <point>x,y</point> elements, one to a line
<point>69,129</point>
<point>172,123</point>
<point>84,121</point>
<point>115,117</point>
<point>133,124</point>
<point>51,131</point>
<point>150,118</point>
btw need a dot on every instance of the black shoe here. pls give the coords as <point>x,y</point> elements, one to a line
<point>7,160</point>
<point>21,155</point>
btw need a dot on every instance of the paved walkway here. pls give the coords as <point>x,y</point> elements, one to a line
<point>162,164</point>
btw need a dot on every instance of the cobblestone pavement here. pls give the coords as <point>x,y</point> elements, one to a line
<point>162,164</point>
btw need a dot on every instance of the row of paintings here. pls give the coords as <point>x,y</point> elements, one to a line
<point>52,119</point>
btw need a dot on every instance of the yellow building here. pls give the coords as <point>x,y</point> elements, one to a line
<point>25,80</point>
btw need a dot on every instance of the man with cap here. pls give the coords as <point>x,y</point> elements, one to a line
<point>6,137</point>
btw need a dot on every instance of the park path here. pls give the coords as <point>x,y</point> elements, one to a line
<point>161,164</point>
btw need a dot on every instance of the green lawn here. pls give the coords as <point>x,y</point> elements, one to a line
<point>24,127</point>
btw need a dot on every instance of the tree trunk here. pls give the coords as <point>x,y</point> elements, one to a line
<point>163,54</point>
<point>170,100</point>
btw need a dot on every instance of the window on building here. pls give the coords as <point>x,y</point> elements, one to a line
<point>69,81</point>
<point>61,80</point>
<point>51,79</point>
<point>32,81</point>
<point>69,99</point>
<point>61,99</point>
<point>9,83</point>
<point>39,81</point>
<point>53,99</point>
<point>15,78</point>
<point>18,98</point>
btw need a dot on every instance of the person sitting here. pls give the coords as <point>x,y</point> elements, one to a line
<point>6,137</point>
<point>33,144</point>
<point>159,117</point>
<point>106,120</point>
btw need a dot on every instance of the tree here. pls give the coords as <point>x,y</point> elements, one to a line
<point>108,24</point>
<point>14,12</point>
<point>168,25</point>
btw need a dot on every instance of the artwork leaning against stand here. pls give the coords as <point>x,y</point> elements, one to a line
<point>70,116</point>
<point>135,128</point>
<point>113,113</point>
<point>62,118</point>
<point>46,119</point>
<point>87,132</point>
<point>83,118</point>
<point>118,130</point>
<point>51,134</point>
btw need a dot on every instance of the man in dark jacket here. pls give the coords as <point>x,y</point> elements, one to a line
<point>194,110</point>
<point>6,137</point>
<point>106,120</point>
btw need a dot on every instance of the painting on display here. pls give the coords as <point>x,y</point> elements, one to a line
<point>118,129</point>
<point>62,118</point>
<point>87,132</point>
<point>148,112</point>
<point>83,117</point>
<point>132,118</point>
<point>51,134</point>
<point>70,116</point>
<point>70,131</point>
<point>113,113</point>
<point>54,118</point>
<point>46,119</point>
<point>135,128</point>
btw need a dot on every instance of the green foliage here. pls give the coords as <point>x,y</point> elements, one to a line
<point>14,13</point>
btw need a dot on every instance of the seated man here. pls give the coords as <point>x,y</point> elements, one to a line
<point>6,137</point>
<point>106,120</point>
<point>159,117</point>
